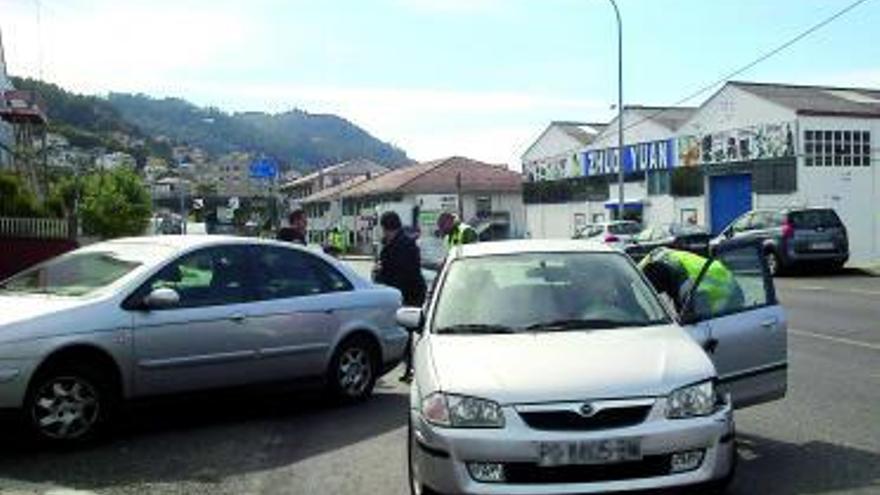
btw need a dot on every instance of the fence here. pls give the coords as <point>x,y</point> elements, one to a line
<point>33,228</point>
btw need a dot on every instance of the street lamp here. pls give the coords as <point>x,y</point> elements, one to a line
<point>619,110</point>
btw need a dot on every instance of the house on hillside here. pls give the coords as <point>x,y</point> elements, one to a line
<point>298,189</point>
<point>491,200</point>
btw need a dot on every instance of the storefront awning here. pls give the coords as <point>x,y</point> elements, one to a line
<point>634,204</point>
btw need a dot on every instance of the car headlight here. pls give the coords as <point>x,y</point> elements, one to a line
<point>458,411</point>
<point>691,401</point>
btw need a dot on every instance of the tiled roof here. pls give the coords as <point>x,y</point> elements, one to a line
<point>350,167</point>
<point>440,176</point>
<point>818,100</point>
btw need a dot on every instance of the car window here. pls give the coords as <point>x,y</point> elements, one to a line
<point>521,291</point>
<point>627,228</point>
<point>284,273</point>
<point>742,223</point>
<point>208,277</point>
<point>76,274</point>
<point>811,219</point>
<point>735,282</point>
<point>760,220</point>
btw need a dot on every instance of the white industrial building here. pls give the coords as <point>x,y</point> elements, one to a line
<point>750,145</point>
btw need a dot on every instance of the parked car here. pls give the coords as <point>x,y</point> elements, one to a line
<point>160,315</point>
<point>676,236</point>
<point>617,234</point>
<point>564,373</point>
<point>793,237</point>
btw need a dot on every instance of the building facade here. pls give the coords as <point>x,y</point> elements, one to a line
<point>302,187</point>
<point>6,134</point>
<point>750,145</point>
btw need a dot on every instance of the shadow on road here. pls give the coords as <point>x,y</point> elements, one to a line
<point>770,466</point>
<point>207,438</point>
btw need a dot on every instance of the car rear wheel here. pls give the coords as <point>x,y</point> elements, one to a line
<point>69,404</point>
<point>354,370</point>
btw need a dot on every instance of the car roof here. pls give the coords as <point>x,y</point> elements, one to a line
<point>530,246</point>
<point>186,242</point>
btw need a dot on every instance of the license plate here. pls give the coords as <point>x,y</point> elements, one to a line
<point>822,246</point>
<point>589,452</point>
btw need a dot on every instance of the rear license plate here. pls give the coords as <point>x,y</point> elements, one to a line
<point>822,246</point>
<point>589,452</point>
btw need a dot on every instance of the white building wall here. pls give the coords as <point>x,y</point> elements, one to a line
<point>646,131</point>
<point>854,192</point>
<point>733,108</point>
<point>553,142</point>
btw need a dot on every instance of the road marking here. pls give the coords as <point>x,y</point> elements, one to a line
<point>839,340</point>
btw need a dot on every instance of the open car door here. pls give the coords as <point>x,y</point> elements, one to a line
<point>746,335</point>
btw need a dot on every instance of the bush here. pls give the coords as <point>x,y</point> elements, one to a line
<point>16,198</point>
<point>115,204</point>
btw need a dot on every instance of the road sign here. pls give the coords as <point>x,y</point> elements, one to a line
<point>264,168</point>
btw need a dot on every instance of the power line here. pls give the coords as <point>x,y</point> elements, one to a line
<point>762,58</point>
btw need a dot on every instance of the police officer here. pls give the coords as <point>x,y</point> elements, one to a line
<point>454,231</point>
<point>674,272</point>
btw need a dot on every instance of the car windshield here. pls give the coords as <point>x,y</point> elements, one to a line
<point>626,228</point>
<point>811,219</point>
<point>544,292</point>
<point>82,272</point>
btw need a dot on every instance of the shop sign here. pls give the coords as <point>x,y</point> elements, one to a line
<point>653,155</point>
<point>759,142</point>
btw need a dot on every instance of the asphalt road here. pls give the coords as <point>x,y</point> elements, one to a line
<point>824,438</point>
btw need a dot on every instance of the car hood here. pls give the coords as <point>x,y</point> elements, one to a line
<point>14,309</point>
<point>569,366</point>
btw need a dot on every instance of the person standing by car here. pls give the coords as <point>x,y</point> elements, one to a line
<point>400,267</point>
<point>297,230</point>
<point>674,272</point>
<point>454,231</point>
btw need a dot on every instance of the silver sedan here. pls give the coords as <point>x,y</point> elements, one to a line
<point>149,316</point>
<point>548,367</point>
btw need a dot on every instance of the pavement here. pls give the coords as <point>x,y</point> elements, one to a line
<point>824,438</point>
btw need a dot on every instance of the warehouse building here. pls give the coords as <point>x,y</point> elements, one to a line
<point>750,145</point>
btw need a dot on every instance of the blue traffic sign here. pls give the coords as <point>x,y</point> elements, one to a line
<point>264,168</point>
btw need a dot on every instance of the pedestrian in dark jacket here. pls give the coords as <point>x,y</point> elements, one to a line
<point>400,266</point>
<point>296,232</point>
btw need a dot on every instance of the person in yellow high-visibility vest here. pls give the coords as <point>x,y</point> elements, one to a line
<point>454,231</point>
<point>674,272</point>
<point>336,241</point>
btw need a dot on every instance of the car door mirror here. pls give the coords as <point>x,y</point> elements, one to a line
<point>410,318</point>
<point>162,298</point>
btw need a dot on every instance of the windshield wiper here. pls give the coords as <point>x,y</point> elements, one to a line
<point>476,328</point>
<point>581,324</point>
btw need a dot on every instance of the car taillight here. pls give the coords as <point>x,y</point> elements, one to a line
<point>787,229</point>
<point>611,238</point>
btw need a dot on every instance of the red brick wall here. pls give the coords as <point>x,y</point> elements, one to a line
<point>18,254</point>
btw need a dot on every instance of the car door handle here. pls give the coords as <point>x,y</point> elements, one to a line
<point>237,317</point>
<point>769,323</point>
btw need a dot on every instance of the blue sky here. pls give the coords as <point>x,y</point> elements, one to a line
<point>437,77</point>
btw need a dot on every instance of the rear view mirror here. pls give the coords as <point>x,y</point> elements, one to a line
<point>410,318</point>
<point>162,298</point>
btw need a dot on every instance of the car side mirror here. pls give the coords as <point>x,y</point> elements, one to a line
<point>410,318</point>
<point>728,233</point>
<point>162,298</point>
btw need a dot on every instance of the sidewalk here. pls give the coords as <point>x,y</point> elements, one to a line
<point>872,268</point>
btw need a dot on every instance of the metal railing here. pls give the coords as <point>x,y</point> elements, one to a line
<point>34,228</point>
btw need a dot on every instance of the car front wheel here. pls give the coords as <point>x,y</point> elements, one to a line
<point>68,404</point>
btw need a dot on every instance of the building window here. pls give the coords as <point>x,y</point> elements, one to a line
<point>837,148</point>
<point>659,182</point>
<point>686,181</point>
<point>484,207</point>
<point>775,177</point>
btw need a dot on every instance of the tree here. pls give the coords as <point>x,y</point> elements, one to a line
<point>16,199</point>
<point>115,204</point>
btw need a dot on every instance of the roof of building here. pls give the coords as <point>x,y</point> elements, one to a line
<point>817,100</point>
<point>670,117</point>
<point>583,132</point>
<point>333,192</point>
<point>355,166</point>
<point>441,176</point>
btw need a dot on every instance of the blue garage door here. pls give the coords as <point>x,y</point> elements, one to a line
<point>729,197</point>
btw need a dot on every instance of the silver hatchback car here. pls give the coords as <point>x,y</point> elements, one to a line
<point>148,316</point>
<point>544,367</point>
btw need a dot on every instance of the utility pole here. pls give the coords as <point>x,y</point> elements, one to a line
<point>620,151</point>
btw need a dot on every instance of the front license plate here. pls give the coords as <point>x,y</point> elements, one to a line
<point>822,246</point>
<point>589,452</point>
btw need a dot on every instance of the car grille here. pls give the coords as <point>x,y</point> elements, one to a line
<point>615,417</point>
<point>530,473</point>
